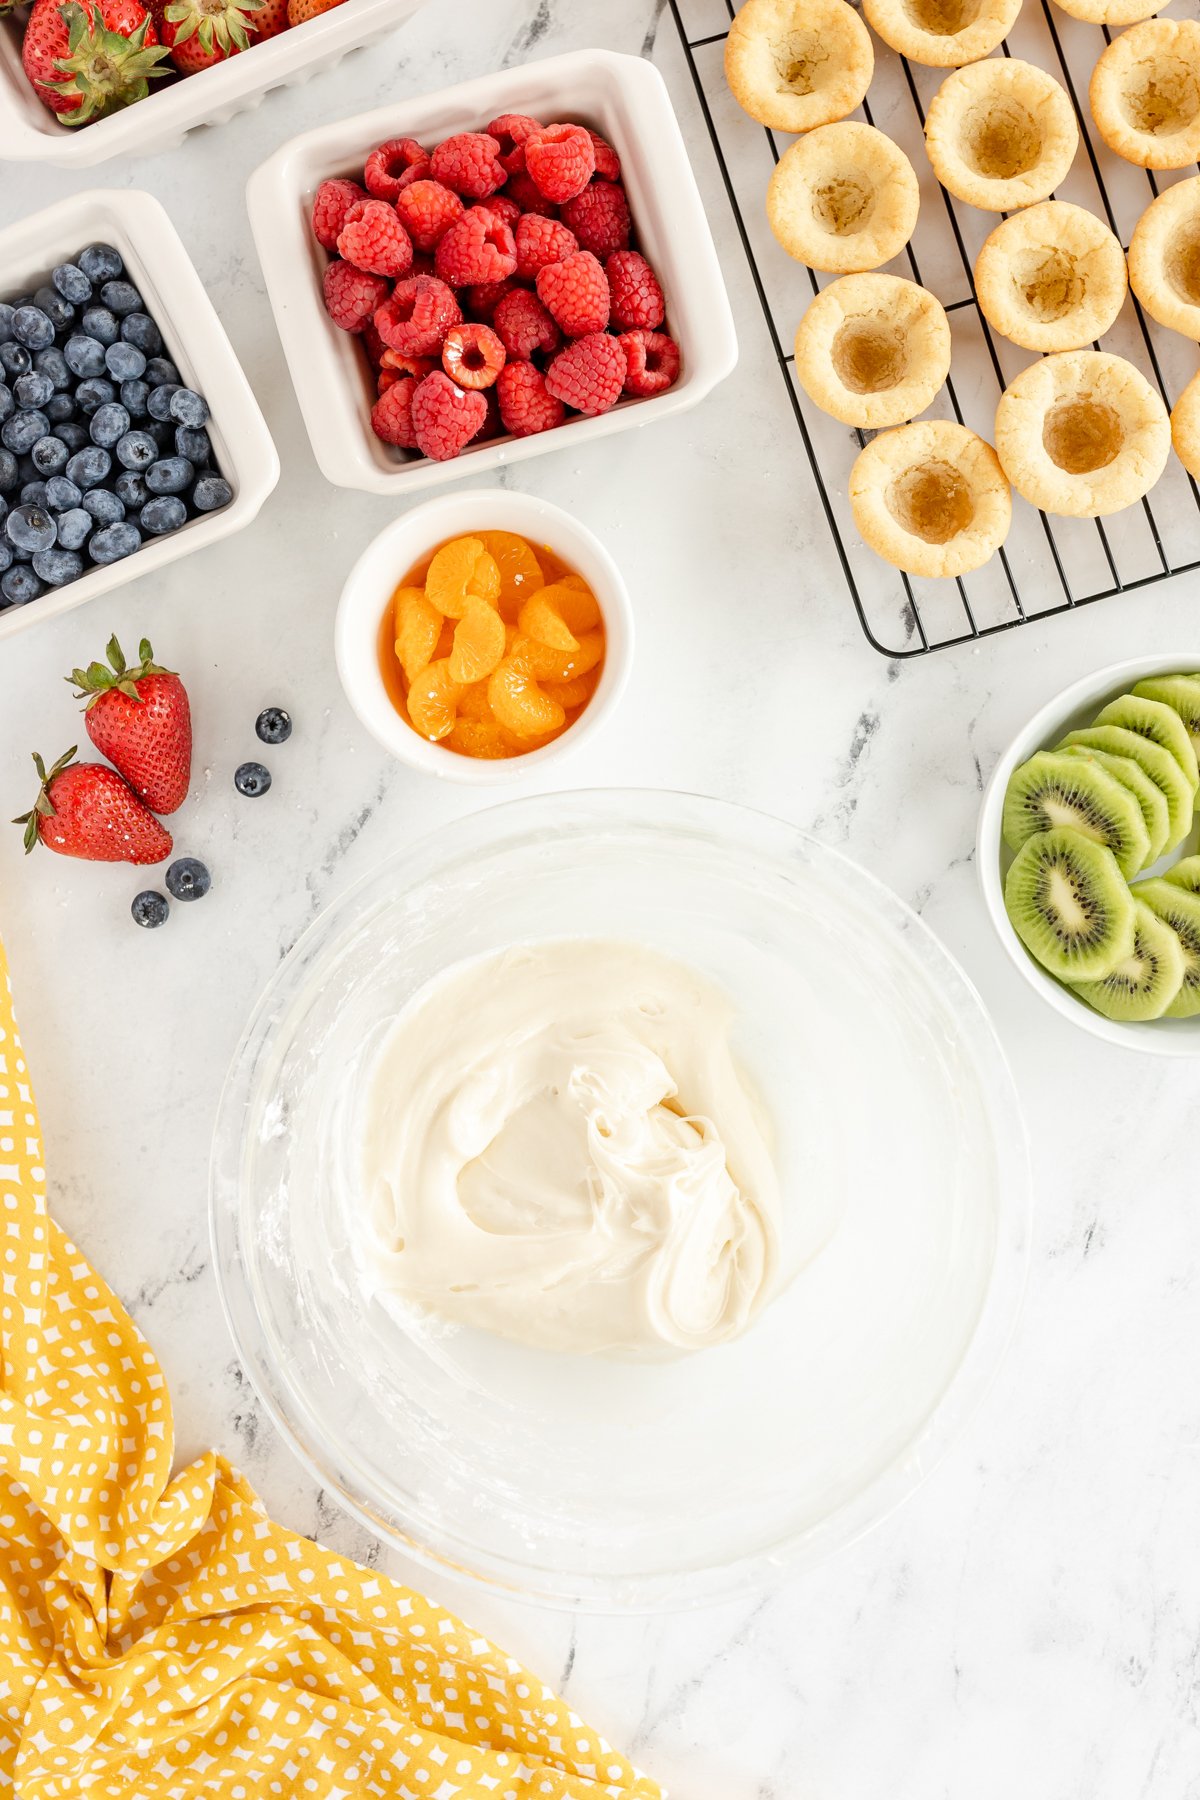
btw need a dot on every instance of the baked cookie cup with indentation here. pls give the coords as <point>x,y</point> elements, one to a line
<point>1145,94</point>
<point>797,64</point>
<point>1001,134</point>
<point>843,199</point>
<point>943,34</point>
<point>931,498</point>
<point>1082,433</point>
<point>1185,426</point>
<point>873,350</point>
<point>1051,277</point>
<point>1164,258</point>
<point>1111,12</point>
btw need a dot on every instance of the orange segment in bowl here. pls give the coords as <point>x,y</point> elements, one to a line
<point>519,703</point>
<point>433,701</point>
<point>461,568</point>
<point>478,642</point>
<point>520,571</point>
<point>557,665</point>
<point>574,600</point>
<point>480,737</point>
<point>541,619</point>
<point>418,626</point>
<point>571,694</point>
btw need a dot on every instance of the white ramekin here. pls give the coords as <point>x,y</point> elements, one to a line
<point>29,131</point>
<point>1071,710</point>
<point>386,560</point>
<point>195,342</point>
<point>622,97</point>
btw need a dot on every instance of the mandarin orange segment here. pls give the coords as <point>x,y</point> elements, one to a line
<point>482,738</point>
<point>473,702</point>
<point>575,602</point>
<point>478,642</point>
<point>433,701</point>
<point>541,620</point>
<point>519,704</point>
<point>571,694</point>
<point>459,569</point>
<point>520,571</point>
<point>418,626</point>
<point>557,665</point>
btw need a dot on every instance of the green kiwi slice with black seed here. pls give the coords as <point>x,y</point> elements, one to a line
<point>1185,874</point>
<point>1161,724</point>
<point>1053,790</point>
<point>1147,983</point>
<point>1149,796</point>
<point>1182,694</point>
<point>1070,906</point>
<point>1158,764</point>
<point>1181,911</point>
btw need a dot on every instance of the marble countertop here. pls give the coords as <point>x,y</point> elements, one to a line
<point>1028,1622</point>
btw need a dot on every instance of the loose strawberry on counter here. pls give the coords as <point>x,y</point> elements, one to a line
<point>85,61</point>
<point>139,718</point>
<point>87,810</point>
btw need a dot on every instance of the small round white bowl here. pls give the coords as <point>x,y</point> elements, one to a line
<point>1071,710</point>
<point>387,559</point>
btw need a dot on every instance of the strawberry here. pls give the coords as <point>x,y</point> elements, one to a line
<point>301,11</point>
<point>200,33</point>
<point>87,61</point>
<point>86,810</point>
<point>140,719</point>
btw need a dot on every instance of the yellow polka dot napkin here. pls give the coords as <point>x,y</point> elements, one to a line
<point>160,1637</point>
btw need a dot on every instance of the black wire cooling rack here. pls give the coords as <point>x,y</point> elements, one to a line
<point>1048,565</point>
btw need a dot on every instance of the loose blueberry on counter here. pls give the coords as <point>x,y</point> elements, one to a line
<point>72,283</point>
<point>114,542</point>
<point>166,512</point>
<point>150,909</point>
<point>252,779</point>
<point>100,262</point>
<point>31,529</point>
<point>274,725</point>
<point>188,879</point>
<point>211,492</point>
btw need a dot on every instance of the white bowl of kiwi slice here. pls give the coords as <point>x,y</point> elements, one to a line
<point>1089,854</point>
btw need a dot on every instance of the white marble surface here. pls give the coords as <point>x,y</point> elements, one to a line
<point>1028,1624</point>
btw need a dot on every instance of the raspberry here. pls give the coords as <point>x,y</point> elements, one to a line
<point>391,415</point>
<point>524,326</point>
<point>473,355</point>
<point>526,406</point>
<point>400,364</point>
<point>481,301</point>
<point>334,200</point>
<point>637,299</point>
<point>608,163</point>
<point>386,378</point>
<point>350,296</point>
<point>417,317</point>
<point>589,374</point>
<point>393,166</point>
<point>372,343</point>
<point>599,217</point>
<point>500,207</point>
<point>575,293</point>
<point>510,131</point>
<point>541,241</point>
<point>652,361</point>
<point>427,210</point>
<point>493,425</point>
<point>561,160</point>
<point>477,248</point>
<point>523,190</point>
<point>373,239</point>
<point>470,164</point>
<point>445,418</point>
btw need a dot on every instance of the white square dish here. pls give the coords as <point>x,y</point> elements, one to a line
<point>159,265</point>
<point>622,97</point>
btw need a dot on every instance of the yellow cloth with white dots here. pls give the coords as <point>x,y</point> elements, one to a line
<point>160,1637</point>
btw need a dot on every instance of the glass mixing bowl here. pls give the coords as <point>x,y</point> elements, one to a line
<point>593,1481</point>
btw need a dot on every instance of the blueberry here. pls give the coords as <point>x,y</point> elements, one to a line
<point>99,323</point>
<point>194,445</point>
<point>73,434</point>
<point>88,468</point>
<point>72,283</point>
<point>50,455</point>
<point>75,528</point>
<point>20,585</point>
<point>161,373</point>
<point>188,879</point>
<point>15,358</point>
<point>150,909</point>
<point>8,471</point>
<point>61,495</point>
<point>137,450</point>
<point>251,779</point>
<point>22,431</point>
<point>114,542</point>
<point>84,355</point>
<point>100,262</point>
<point>32,391</point>
<point>33,328</point>
<point>160,400</point>
<point>6,555</point>
<point>173,475</point>
<point>125,362</point>
<point>59,408</point>
<point>121,297</point>
<point>211,492</point>
<point>34,494</point>
<point>189,408</point>
<point>131,489</point>
<point>57,567</point>
<point>94,393</point>
<point>8,405</point>
<point>134,395</point>
<point>274,725</point>
<point>53,364</point>
<point>30,528</point>
<point>6,319</point>
<point>139,328</point>
<point>109,424</point>
<point>165,513</point>
<point>60,312</point>
<point>103,505</point>
<point>163,433</point>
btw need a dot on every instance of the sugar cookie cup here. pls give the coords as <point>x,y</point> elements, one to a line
<point>1185,426</point>
<point>1145,94</point>
<point>843,199</point>
<point>1164,258</point>
<point>1001,134</point>
<point>1082,433</point>
<point>873,350</point>
<point>1111,12</point>
<point>1051,277</point>
<point>797,64</point>
<point>943,34</point>
<point>931,498</point>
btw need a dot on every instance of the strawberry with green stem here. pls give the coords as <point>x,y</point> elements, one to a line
<point>140,719</point>
<point>85,62</point>
<point>199,33</point>
<point>88,811</point>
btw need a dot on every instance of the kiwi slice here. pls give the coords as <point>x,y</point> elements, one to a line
<point>1182,693</point>
<point>1053,790</point>
<point>1158,764</point>
<point>1181,911</point>
<point>1185,874</point>
<point>1146,983</point>
<point>1069,905</point>
<point>1149,796</point>
<point>1161,724</point>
